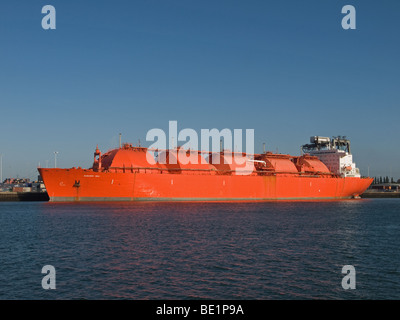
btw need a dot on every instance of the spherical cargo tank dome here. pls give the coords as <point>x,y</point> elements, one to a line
<point>281,164</point>
<point>127,157</point>
<point>230,162</point>
<point>179,159</point>
<point>311,164</point>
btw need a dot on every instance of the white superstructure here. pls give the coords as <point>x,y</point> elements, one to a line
<point>334,153</point>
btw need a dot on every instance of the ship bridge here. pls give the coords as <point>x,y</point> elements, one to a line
<point>335,153</point>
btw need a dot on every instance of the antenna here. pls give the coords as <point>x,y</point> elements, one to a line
<point>264,147</point>
<point>55,159</point>
<point>120,140</point>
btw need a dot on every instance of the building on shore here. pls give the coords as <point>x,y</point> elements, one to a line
<point>22,185</point>
<point>384,187</point>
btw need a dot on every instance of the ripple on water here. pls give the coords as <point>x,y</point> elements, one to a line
<point>272,250</point>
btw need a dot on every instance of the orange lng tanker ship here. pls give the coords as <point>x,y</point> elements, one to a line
<point>325,171</point>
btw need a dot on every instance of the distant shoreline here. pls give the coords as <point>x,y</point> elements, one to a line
<point>380,194</point>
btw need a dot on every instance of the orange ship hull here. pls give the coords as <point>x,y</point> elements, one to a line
<point>154,185</point>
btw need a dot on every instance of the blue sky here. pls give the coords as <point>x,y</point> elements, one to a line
<point>286,69</point>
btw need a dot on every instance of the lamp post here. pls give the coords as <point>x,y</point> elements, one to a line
<point>55,159</point>
<point>1,168</point>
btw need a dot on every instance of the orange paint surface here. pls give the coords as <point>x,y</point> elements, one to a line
<point>126,175</point>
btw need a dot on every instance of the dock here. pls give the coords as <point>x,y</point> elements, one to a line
<point>380,194</point>
<point>24,196</point>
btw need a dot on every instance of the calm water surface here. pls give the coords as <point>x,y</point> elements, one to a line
<point>271,250</point>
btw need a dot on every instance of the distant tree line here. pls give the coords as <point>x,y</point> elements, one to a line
<point>379,180</point>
